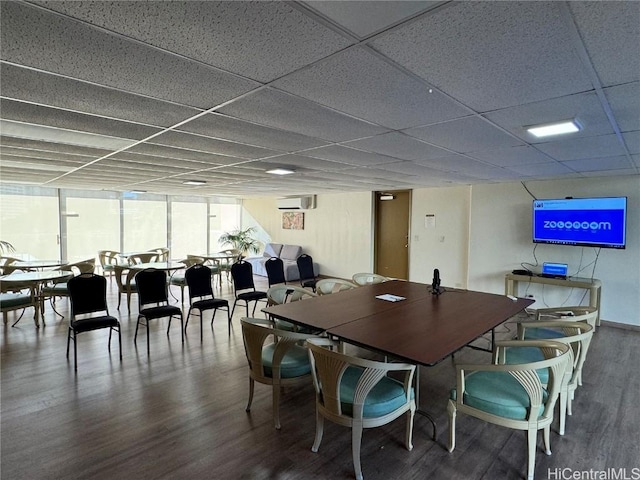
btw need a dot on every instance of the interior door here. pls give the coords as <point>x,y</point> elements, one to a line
<point>392,234</point>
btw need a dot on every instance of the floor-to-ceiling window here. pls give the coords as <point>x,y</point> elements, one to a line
<point>90,221</point>
<point>188,226</point>
<point>145,222</point>
<point>72,225</point>
<point>29,220</point>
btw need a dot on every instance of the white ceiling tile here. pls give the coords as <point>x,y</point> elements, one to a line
<point>220,126</point>
<point>543,170</point>
<point>250,38</point>
<point>366,18</point>
<point>469,134</point>
<point>64,119</point>
<point>611,33</point>
<point>599,164</point>
<point>584,107</point>
<point>576,148</point>
<point>632,140</point>
<point>56,91</point>
<point>482,53</point>
<point>361,84</point>
<point>212,145</point>
<point>506,157</point>
<point>287,112</point>
<point>398,145</point>
<point>350,156</point>
<point>625,102</point>
<point>53,43</point>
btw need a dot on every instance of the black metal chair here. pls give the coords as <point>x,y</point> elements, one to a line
<point>242,275</point>
<point>88,296</point>
<point>201,298</point>
<point>153,300</point>
<point>275,270</point>
<point>307,275</point>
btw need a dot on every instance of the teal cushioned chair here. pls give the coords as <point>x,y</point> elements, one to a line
<point>576,334</point>
<point>279,294</point>
<point>512,395</point>
<point>357,393</point>
<point>275,358</point>
<point>17,301</point>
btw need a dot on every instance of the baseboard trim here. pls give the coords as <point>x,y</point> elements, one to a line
<point>622,326</point>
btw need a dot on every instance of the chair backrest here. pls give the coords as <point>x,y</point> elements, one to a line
<point>152,287</point>
<point>275,270</point>
<point>108,257</point>
<point>162,254</point>
<point>145,257</point>
<point>305,267</point>
<point>576,334</point>
<point>368,278</point>
<point>255,335</point>
<point>5,265</point>
<point>333,285</point>
<point>279,294</point>
<point>328,368</point>
<point>242,275</point>
<point>198,278</point>
<point>557,359</point>
<point>87,293</point>
<point>569,314</point>
<point>124,277</point>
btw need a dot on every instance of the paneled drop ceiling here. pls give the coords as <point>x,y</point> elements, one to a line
<point>351,95</point>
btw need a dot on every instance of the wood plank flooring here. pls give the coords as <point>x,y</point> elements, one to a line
<point>179,412</point>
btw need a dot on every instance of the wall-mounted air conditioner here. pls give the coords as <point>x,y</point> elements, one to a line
<point>295,203</point>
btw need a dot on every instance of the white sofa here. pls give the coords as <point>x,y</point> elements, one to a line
<point>288,254</point>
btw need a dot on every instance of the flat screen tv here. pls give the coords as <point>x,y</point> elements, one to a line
<point>587,222</point>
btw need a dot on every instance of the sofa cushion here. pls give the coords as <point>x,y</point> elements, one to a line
<point>272,250</point>
<point>290,252</point>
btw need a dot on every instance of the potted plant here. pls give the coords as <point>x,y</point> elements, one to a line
<point>6,247</point>
<point>241,240</point>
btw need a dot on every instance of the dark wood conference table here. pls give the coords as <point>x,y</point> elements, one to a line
<point>423,329</point>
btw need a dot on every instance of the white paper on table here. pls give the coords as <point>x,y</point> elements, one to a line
<point>390,298</point>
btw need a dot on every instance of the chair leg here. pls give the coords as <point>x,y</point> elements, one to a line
<point>563,411</point>
<point>202,321</point>
<point>451,408</point>
<point>532,436</point>
<point>319,431</point>
<point>68,341</point>
<point>409,433</point>
<point>229,319</point>
<point>547,440</point>
<point>109,343</point>
<point>251,385</point>
<point>276,405</point>
<point>75,352</point>
<point>120,342</point>
<point>135,336</point>
<point>356,440</point>
<point>234,307</point>
<point>182,326</point>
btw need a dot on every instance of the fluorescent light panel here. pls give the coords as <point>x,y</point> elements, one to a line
<point>281,171</point>
<point>194,182</point>
<point>557,128</point>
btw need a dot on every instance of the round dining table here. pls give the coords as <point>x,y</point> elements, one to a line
<point>34,281</point>
<point>35,264</point>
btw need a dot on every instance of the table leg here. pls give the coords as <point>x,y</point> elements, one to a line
<point>418,409</point>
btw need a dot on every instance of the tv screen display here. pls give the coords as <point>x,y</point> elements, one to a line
<point>591,222</point>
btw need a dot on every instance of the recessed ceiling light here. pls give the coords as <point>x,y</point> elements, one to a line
<point>138,191</point>
<point>194,182</point>
<point>557,128</point>
<point>281,171</point>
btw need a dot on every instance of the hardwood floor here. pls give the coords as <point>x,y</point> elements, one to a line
<point>179,412</point>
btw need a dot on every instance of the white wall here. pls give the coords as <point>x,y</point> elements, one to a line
<point>444,245</point>
<point>485,232</point>
<point>500,236</point>
<point>337,233</point>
